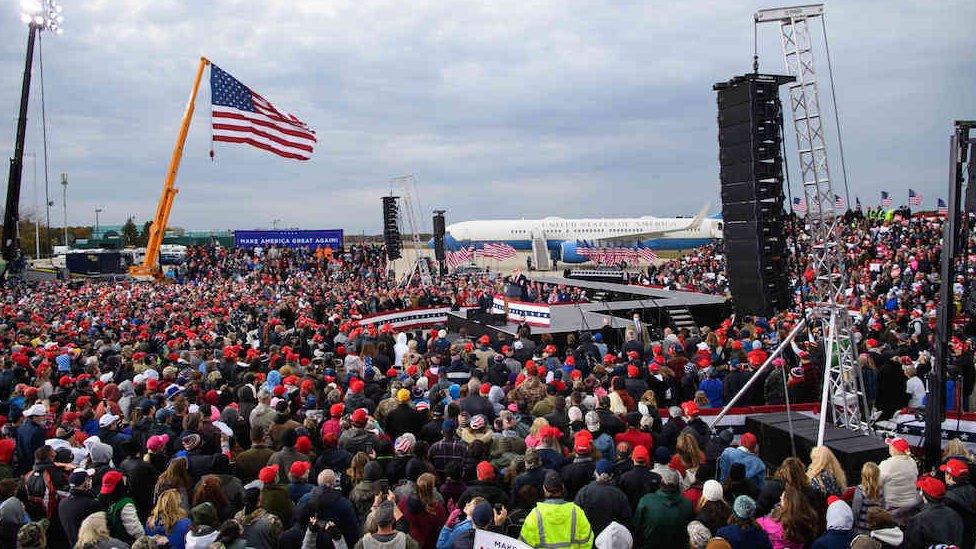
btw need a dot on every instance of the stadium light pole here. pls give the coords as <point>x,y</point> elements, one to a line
<point>38,15</point>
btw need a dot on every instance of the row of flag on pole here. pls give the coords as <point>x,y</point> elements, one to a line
<point>914,200</point>
<point>498,251</point>
<point>614,255</point>
<point>604,255</point>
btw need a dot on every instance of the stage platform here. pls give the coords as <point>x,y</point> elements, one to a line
<point>610,307</point>
<point>852,449</point>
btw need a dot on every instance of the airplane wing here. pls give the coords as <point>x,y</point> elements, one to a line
<point>630,238</point>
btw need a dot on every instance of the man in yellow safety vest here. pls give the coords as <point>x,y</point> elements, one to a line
<point>556,523</point>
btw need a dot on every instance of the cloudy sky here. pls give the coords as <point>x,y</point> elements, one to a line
<point>499,108</point>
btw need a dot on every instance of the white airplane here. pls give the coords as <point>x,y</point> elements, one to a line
<point>566,235</point>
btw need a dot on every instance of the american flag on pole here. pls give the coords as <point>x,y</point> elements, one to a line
<point>497,251</point>
<point>839,202</point>
<point>885,199</point>
<point>914,198</point>
<point>459,257</point>
<point>242,116</point>
<point>943,209</point>
<point>857,203</point>
<point>799,205</point>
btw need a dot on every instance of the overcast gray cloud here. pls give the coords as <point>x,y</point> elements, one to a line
<point>500,108</point>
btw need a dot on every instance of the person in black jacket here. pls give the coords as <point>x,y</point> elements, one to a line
<point>484,487</point>
<point>891,388</point>
<point>78,504</point>
<point>404,418</point>
<point>141,476</point>
<point>602,502</point>
<point>671,429</point>
<point>640,480</point>
<point>332,506</point>
<point>961,498</point>
<point>579,473</point>
<point>936,523</point>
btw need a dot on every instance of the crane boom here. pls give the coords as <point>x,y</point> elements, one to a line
<point>150,265</point>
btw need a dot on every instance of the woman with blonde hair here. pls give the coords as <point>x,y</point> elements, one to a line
<point>825,473</point>
<point>533,439</point>
<point>956,448</point>
<point>866,495</point>
<point>169,518</point>
<point>93,534</point>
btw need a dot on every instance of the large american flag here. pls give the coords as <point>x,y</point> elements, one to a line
<point>943,208</point>
<point>242,116</point>
<point>800,205</point>
<point>496,250</point>
<point>647,254</point>
<point>914,198</point>
<point>459,257</point>
<point>885,199</point>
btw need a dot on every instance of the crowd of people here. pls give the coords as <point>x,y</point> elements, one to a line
<point>253,404</point>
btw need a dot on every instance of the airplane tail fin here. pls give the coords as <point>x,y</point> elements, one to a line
<point>699,217</point>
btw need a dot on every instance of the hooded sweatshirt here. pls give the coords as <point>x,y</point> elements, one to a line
<point>840,528</point>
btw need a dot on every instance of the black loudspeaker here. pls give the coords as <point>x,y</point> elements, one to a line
<point>750,121</point>
<point>391,228</point>
<point>439,235</point>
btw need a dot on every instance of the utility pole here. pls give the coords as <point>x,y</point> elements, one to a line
<point>64,205</point>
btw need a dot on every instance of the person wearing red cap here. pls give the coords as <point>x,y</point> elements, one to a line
<point>334,424</point>
<point>936,524</point>
<point>357,438</point>
<point>745,453</point>
<point>274,497</point>
<point>579,472</point>
<point>298,484</point>
<point>898,474</point>
<point>961,497</point>
<point>639,480</point>
<point>634,383</point>
<point>486,486</point>
<point>119,507</point>
<point>484,354</point>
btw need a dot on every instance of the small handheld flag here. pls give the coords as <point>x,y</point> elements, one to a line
<point>799,206</point>
<point>885,199</point>
<point>839,203</point>
<point>943,209</point>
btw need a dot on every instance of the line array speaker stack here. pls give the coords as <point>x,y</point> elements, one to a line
<point>750,120</point>
<point>439,230</point>
<point>391,228</point>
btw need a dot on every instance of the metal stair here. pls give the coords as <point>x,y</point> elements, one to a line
<point>681,318</point>
<point>540,253</point>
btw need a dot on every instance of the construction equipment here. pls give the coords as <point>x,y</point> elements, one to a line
<point>150,265</point>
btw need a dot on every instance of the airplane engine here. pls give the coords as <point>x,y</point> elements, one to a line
<point>568,253</point>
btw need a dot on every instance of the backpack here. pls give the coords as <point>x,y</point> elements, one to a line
<point>41,494</point>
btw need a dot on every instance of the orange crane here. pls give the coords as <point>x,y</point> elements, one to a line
<point>150,265</point>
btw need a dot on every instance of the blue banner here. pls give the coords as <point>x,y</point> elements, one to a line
<point>289,239</point>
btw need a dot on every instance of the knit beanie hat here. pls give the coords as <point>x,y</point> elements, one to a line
<point>744,507</point>
<point>712,490</point>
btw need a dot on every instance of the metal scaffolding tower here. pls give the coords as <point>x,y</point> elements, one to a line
<point>843,398</point>
<point>410,208</point>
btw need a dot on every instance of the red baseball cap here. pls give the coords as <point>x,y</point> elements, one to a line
<point>337,409</point>
<point>484,340</point>
<point>299,468</point>
<point>110,480</point>
<point>898,443</point>
<point>486,471</point>
<point>268,474</point>
<point>640,455</point>
<point>632,371</point>
<point>748,440</point>
<point>955,467</point>
<point>485,389</point>
<point>689,408</point>
<point>303,444</point>
<point>359,416</point>
<point>931,487</point>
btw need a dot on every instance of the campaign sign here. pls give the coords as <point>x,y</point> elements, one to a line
<point>483,539</point>
<point>289,239</point>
